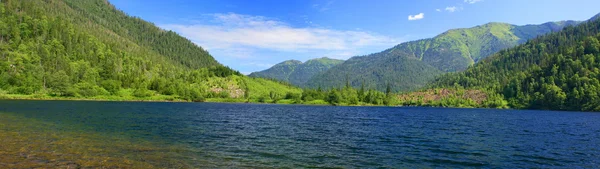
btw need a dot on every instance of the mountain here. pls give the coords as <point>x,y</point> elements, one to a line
<point>558,71</point>
<point>597,16</point>
<point>310,68</point>
<point>452,51</point>
<point>280,71</point>
<point>90,49</point>
<point>296,72</point>
<point>377,73</point>
<point>108,20</point>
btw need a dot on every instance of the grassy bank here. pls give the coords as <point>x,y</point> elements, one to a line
<point>156,98</point>
<point>458,98</point>
<point>164,98</point>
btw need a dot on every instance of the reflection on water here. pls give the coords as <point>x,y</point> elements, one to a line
<point>65,134</point>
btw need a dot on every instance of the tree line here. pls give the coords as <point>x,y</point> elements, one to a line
<point>558,71</point>
<point>43,51</point>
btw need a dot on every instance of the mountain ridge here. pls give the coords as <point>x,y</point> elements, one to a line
<point>297,72</point>
<point>451,51</point>
<point>557,71</point>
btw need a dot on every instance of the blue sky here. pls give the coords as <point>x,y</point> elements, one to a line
<point>254,35</point>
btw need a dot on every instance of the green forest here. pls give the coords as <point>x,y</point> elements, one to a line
<point>412,65</point>
<point>67,49</point>
<point>71,49</point>
<point>296,72</point>
<point>89,49</point>
<point>558,71</point>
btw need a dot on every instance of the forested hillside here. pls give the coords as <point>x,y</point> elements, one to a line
<point>310,68</point>
<point>280,71</point>
<point>559,71</point>
<point>89,49</point>
<point>296,72</point>
<point>165,43</point>
<point>597,16</point>
<point>377,72</point>
<point>411,65</point>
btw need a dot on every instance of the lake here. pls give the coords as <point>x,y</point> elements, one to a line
<point>217,135</point>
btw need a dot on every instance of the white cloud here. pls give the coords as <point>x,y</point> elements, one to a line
<point>452,9</point>
<point>235,31</point>
<point>249,43</point>
<point>323,7</point>
<point>472,1</point>
<point>236,53</point>
<point>439,10</point>
<point>416,17</point>
<point>258,64</point>
<point>341,55</point>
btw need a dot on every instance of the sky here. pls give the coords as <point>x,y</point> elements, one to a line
<point>254,35</point>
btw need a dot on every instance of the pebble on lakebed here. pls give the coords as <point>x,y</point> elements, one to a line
<point>28,143</point>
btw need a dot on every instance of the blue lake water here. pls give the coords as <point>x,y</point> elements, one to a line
<point>216,135</point>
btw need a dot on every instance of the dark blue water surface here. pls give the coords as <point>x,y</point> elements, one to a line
<point>256,136</point>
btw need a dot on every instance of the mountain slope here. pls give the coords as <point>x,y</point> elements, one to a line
<point>166,43</point>
<point>372,71</point>
<point>597,16</point>
<point>310,68</point>
<point>451,51</point>
<point>89,49</point>
<point>280,71</point>
<point>296,72</point>
<point>559,71</point>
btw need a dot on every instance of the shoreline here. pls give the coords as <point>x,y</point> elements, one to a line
<point>167,99</point>
<point>238,101</point>
<point>125,99</point>
<point>211,100</point>
<point>91,99</point>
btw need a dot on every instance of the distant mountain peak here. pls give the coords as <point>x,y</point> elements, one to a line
<point>290,62</point>
<point>323,58</point>
<point>489,24</point>
<point>493,24</point>
<point>597,16</point>
<point>296,72</point>
<point>410,65</point>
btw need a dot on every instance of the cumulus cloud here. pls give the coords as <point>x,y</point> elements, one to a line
<point>416,17</point>
<point>250,43</point>
<point>452,9</point>
<point>234,30</point>
<point>472,1</point>
<point>259,64</point>
<point>439,10</point>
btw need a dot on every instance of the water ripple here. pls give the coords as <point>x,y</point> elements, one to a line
<point>210,135</point>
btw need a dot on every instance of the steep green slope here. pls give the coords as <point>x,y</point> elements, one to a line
<point>451,51</point>
<point>375,72</point>
<point>89,49</point>
<point>166,43</point>
<point>310,68</point>
<point>457,49</point>
<point>296,72</point>
<point>280,71</point>
<point>597,16</point>
<point>559,71</point>
<point>527,32</point>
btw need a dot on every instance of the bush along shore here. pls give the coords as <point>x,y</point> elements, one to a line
<point>344,96</point>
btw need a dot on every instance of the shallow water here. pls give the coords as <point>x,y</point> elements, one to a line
<point>213,135</point>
